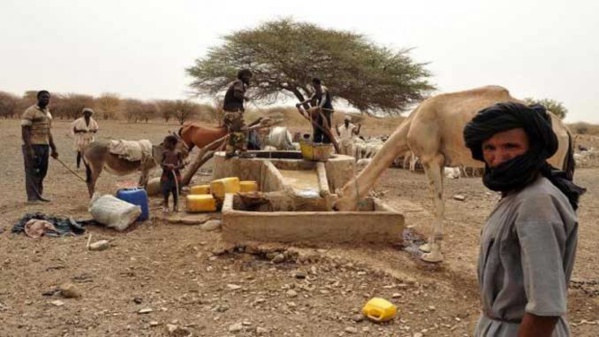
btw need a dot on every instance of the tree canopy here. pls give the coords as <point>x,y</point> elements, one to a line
<point>285,55</point>
<point>552,105</point>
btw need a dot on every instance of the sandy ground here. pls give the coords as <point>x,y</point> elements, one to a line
<point>171,269</point>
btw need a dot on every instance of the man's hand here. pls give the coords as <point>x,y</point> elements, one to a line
<point>536,326</point>
<point>54,154</point>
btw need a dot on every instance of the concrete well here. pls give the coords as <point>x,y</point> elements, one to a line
<point>339,168</point>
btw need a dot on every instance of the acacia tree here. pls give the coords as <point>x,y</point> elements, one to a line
<point>9,104</point>
<point>136,110</point>
<point>29,98</point>
<point>285,55</point>
<point>166,109</point>
<point>552,105</point>
<point>70,106</point>
<point>108,105</point>
<point>178,109</point>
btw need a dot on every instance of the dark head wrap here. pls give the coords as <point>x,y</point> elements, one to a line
<point>244,72</point>
<point>522,170</point>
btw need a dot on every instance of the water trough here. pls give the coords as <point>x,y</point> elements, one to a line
<point>295,203</point>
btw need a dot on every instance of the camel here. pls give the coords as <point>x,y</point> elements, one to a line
<point>433,132</point>
<point>97,157</point>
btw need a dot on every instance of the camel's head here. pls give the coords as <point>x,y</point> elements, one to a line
<point>346,199</point>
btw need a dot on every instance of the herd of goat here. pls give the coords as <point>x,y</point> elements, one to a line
<point>363,149</point>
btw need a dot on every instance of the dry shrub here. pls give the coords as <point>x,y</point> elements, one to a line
<point>584,128</point>
<point>70,106</point>
<point>137,110</point>
<point>9,105</point>
<point>209,113</point>
<point>108,106</point>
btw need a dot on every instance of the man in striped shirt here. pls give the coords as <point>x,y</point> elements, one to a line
<point>38,145</point>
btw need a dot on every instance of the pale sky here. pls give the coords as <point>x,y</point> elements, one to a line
<point>140,49</point>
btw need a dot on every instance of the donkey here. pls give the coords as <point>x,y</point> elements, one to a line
<point>97,156</point>
<point>200,135</point>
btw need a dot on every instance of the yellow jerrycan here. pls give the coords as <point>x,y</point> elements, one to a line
<point>379,310</point>
<point>199,189</point>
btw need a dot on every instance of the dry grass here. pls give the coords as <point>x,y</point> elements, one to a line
<point>171,269</point>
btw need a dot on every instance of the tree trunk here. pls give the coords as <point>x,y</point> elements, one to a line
<point>300,97</point>
<point>201,159</point>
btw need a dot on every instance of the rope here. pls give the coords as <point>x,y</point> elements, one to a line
<point>358,201</point>
<point>70,170</point>
<point>180,140</point>
<point>176,189</point>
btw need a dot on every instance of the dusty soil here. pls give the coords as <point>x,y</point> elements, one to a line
<point>173,270</point>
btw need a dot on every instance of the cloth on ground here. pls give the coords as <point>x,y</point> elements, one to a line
<point>50,226</point>
<point>35,228</point>
<point>131,150</point>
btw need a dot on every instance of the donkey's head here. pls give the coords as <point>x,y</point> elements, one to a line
<point>180,146</point>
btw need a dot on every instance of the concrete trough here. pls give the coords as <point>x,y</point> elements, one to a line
<point>300,195</point>
<point>379,225</point>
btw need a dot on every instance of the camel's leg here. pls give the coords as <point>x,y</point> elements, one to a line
<point>433,169</point>
<point>464,171</point>
<point>413,161</point>
<point>406,160</point>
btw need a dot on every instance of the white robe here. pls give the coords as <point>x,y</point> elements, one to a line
<point>82,139</point>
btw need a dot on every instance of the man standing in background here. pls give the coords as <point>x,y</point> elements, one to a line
<point>84,130</point>
<point>346,132</point>
<point>323,109</point>
<point>38,145</point>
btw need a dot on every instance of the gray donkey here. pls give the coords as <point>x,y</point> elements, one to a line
<point>97,156</point>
